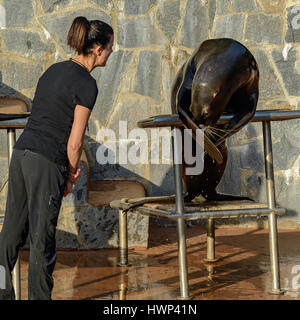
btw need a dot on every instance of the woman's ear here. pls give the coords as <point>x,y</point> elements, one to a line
<point>99,50</point>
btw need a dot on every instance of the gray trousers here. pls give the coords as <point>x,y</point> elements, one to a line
<point>35,191</point>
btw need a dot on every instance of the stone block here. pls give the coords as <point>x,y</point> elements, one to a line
<point>231,180</point>
<point>108,81</point>
<point>131,110</point>
<point>27,44</point>
<point>162,180</point>
<point>222,7</point>
<point>251,156</point>
<point>148,77</point>
<point>268,6</point>
<point>135,32</point>
<point>19,75</point>
<point>105,4</point>
<point>168,18</point>
<point>136,7</point>
<point>264,28</point>
<point>289,70</point>
<point>253,185</point>
<point>285,153</point>
<point>50,6</point>
<point>194,29</point>
<point>115,170</point>
<point>242,5</point>
<point>58,25</point>
<point>18,13</point>
<point>269,86</point>
<point>98,228</point>
<point>230,26</point>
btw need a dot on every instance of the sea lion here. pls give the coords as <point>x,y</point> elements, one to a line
<point>220,77</point>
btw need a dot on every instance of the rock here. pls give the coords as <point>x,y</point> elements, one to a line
<point>58,25</point>
<point>130,110</point>
<point>251,156</point>
<point>168,18</point>
<point>285,153</point>
<point>194,30</point>
<point>91,227</point>
<point>134,33</point>
<point>108,82</point>
<point>18,13</point>
<point>269,86</point>
<point>231,180</point>
<point>253,185</point>
<point>242,5</point>
<point>148,77</point>
<point>230,26</point>
<point>105,4</point>
<point>55,5</point>
<point>222,7</point>
<point>27,44</point>
<point>263,28</point>
<point>162,179</point>
<point>19,75</point>
<point>135,7</point>
<point>272,6</point>
<point>288,70</point>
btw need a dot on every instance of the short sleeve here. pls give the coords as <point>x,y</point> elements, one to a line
<point>86,95</point>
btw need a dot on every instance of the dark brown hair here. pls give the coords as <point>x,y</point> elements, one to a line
<point>83,34</point>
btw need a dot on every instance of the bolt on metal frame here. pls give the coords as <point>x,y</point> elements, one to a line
<point>180,215</point>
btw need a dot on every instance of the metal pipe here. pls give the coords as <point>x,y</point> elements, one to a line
<point>167,120</point>
<point>11,140</point>
<point>270,188</point>
<point>182,259</point>
<point>220,214</point>
<point>123,238</point>
<point>210,241</point>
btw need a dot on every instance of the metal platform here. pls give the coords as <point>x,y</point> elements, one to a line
<point>179,211</point>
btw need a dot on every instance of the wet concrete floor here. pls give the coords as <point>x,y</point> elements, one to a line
<point>243,271</point>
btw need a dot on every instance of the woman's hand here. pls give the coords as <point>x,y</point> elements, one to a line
<point>74,176</point>
<point>71,179</point>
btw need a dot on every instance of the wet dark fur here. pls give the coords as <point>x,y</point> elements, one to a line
<point>220,77</point>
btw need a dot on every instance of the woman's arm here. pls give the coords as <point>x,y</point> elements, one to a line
<point>75,145</point>
<point>75,142</point>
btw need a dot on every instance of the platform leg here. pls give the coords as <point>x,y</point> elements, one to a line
<point>123,239</point>
<point>210,241</point>
<point>182,259</point>
<point>11,140</point>
<point>270,188</point>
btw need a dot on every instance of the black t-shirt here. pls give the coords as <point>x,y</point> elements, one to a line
<point>59,89</point>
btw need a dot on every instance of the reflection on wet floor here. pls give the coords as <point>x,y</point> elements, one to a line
<point>243,271</point>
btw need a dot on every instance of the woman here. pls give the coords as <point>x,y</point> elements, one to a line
<point>44,163</point>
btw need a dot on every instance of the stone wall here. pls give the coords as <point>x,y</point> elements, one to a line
<point>153,38</point>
